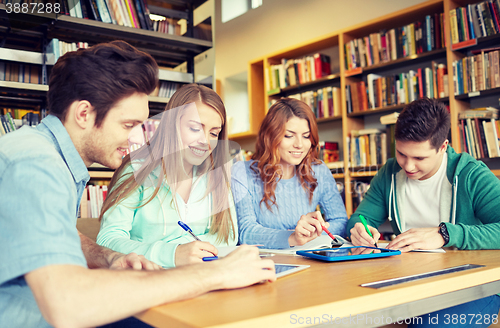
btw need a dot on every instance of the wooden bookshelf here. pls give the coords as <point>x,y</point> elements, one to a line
<point>401,62</point>
<point>101,174</point>
<point>377,110</point>
<point>259,98</point>
<point>300,86</point>
<point>27,33</point>
<point>363,174</point>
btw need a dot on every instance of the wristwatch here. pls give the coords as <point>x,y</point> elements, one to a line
<point>443,231</point>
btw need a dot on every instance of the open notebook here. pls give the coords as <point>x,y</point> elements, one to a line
<point>323,241</point>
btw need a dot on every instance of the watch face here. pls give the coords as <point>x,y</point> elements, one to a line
<point>443,231</point>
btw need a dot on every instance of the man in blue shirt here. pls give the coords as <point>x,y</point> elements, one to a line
<point>96,96</point>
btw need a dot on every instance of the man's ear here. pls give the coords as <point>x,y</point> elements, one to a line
<point>83,114</point>
<point>444,146</point>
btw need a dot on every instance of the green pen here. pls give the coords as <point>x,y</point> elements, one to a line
<point>363,220</point>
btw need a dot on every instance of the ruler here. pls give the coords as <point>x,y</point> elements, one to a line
<point>400,280</point>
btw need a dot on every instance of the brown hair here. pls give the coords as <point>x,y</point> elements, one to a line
<point>267,155</point>
<point>164,141</point>
<point>103,75</point>
<point>424,119</point>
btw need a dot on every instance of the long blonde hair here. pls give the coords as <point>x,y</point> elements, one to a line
<point>165,152</point>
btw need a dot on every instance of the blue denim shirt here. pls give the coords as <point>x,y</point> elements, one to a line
<point>42,179</point>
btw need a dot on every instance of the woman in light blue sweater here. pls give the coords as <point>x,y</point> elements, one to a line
<point>276,193</point>
<point>180,174</point>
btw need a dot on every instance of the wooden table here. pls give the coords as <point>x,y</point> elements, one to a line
<point>331,293</point>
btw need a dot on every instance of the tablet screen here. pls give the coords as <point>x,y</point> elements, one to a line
<point>284,269</point>
<point>350,251</point>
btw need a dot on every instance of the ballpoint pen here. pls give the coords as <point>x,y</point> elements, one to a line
<point>188,229</point>
<point>328,233</point>
<point>363,220</point>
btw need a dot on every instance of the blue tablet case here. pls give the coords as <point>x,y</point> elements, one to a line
<point>344,250</point>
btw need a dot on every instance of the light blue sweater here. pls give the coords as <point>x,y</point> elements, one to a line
<point>152,230</point>
<point>258,225</point>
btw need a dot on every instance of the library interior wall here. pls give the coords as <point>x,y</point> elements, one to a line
<point>279,24</point>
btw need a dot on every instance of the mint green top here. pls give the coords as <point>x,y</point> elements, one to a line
<point>470,210</point>
<point>152,230</point>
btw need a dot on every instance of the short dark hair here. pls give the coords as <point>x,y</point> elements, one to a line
<point>103,75</point>
<point>424,119</point>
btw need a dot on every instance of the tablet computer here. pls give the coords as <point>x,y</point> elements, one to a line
<point>348,253</point>
<point>286,269</point>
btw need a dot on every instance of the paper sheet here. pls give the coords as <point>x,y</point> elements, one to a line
<point>383,244</point>
<point>323,241</point>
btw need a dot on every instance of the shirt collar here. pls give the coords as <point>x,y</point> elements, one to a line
<point>55,130</point>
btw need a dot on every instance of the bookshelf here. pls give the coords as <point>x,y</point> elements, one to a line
<point>27,34</point>
<point>441,52</point>
<point>26,37</point>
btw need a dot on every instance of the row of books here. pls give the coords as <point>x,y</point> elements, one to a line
<point>382,91</point>
<point>7,124</point>
<point>475,21</point>
<point>479,137</point>
<point>297,71</point>
<point>131,13</point>
<point>367,147</point>
<point>166,89</point>
<point>148,129</point>
<point>92,200</point>
<point>19,72</point>
<point>167,25</point>
<point>477,72</point>
<point>324,102</point>
<point>12,119</point>
<point>384,46</point>
<point>58,48</point>
<point>329,151</point>
<point>20,113</point>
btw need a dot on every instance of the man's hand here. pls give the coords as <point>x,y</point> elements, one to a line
<point>119,261</point>
<point>244,267</point>
<point>194,252</point>
<point>307,229</point>
<point>359,236</point>
<point>418,238</point>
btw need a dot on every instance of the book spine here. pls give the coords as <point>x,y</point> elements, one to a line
<point>10,122</point>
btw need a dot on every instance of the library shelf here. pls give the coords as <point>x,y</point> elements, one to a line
<point>242,135</point>
<point>300,86</point>
<point>377,110</point>
<point>328,119</point>
<point>404,61</point>
<point>363,174</point>
<point>485,41</point>
<point>338,175</point>
<point>160,100</point>
<point>101,174</point>
<point>335,165</point>
<point>259,97</point>
<point>28,87</point>
<point>481,93</point>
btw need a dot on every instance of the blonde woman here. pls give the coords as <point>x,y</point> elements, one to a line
<point>180,175</point>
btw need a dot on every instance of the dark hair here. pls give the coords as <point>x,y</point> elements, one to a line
<point>103,75</point>
<point>267,157</point>
<point>424,119</point>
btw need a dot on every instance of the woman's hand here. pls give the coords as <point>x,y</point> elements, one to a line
<point>194,252</point>
<point>307,229</point>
